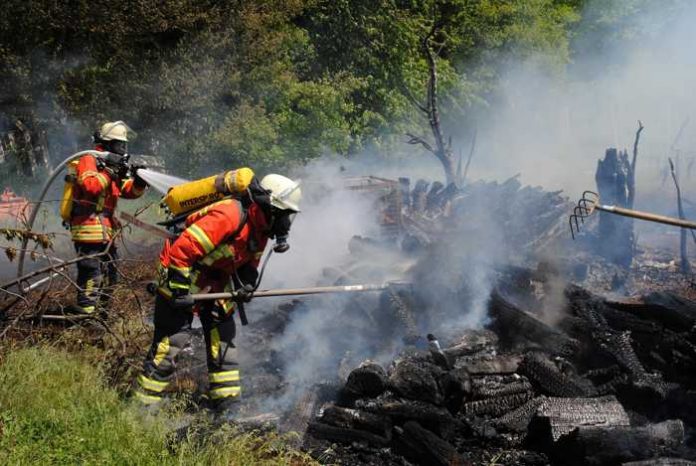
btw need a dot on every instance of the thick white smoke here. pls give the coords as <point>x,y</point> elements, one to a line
<point>552,130</point>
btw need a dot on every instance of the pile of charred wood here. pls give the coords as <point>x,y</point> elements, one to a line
<point>421,212</point>
<point>614,382</point>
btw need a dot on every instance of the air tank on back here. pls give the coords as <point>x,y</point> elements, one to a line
<point>199,193</point>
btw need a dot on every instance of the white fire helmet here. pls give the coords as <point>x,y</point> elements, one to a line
<point>285,193</point>
<point>115,131</point>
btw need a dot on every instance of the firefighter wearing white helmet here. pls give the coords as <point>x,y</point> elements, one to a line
<point>285,197</point>
<point>285,193</point>
<point>99,181</point>
<point>219,250</point>
<point>113,136</point>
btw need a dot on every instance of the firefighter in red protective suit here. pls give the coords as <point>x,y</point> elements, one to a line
<point>98,185</point>
<point>219,250</point>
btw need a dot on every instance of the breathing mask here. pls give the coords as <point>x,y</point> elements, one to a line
<point>280,228</point>
<point>115,146</point>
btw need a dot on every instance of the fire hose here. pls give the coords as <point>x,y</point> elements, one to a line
<point>198,297</point>
<point>191,299</point>
<point>35,211</point>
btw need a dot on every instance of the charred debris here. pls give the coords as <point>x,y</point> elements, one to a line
<point>510,345</point>
<point>558,368</point>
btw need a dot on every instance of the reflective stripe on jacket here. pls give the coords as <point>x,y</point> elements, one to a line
<point>95,197</point>
<point>210,243</point>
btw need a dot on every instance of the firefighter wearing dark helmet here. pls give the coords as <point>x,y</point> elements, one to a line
<point>99,183</point>
<point>219,251</point>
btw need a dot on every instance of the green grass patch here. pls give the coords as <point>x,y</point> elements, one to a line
<point>56,409</point>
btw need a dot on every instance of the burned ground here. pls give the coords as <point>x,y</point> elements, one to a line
<point>542,357</point>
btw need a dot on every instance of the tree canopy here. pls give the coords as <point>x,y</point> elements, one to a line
<point>272,83</point>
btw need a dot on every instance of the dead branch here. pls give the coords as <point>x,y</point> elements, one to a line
<point>632,172</point>
<point>51,268</point>
<point>635,146</point>
<point>419,140</point>
<point>471,155</point>
<point>685,266</point>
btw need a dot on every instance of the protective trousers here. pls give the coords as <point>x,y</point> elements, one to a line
<point>96,276</point>
<point>172,334</point>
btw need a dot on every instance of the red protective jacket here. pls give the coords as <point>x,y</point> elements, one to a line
<point>95,197</point>
<point>218,239</point>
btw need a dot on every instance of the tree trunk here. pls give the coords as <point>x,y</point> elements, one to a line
<point>440,149</point>
<point>614,183</point>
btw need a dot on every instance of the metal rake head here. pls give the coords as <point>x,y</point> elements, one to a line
<point>586,205</point>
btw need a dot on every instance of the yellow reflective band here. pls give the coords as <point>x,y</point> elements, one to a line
<point>162,350</point>
<point>227,376</point>
<point>202,238</point>
<point>224,251</point>
<point>225,392</point>
<point>88,309</point>
<point>93,227</point>
<point>185,271</point>
<point>102,180</point>
<point>89,286</point>
<point>152,384</point>
<point>178,286</point>
<point>214,343</point>
<point>147,399</point>
<point>86,174</point>
<point>258,255</point>
<point>88,239</point>
<point>88,233</point>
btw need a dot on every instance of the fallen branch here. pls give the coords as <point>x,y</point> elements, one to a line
<point>51,268</point>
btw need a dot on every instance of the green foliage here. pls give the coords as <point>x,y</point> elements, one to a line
<point>381,41</point>
<point>57,410</point>
<point>267,83</point>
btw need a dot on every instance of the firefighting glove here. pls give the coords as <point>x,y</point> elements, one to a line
<point>243,294</point>
<point>115,165</point>
<point>220,314</point>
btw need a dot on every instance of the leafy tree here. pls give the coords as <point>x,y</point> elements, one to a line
<point>451,50</point>
<point>269,83</point>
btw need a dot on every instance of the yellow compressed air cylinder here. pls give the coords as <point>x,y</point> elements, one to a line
<point>66,202</point>
<point>197,194</point>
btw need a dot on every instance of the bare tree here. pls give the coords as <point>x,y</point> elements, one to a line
<point>685,266</point>
<point>632,172</point>
<point>439,148</point>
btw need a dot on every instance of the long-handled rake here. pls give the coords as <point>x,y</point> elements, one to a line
<point>590,202</point>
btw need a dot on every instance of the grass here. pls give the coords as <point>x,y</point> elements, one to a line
<point>55,408</point>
